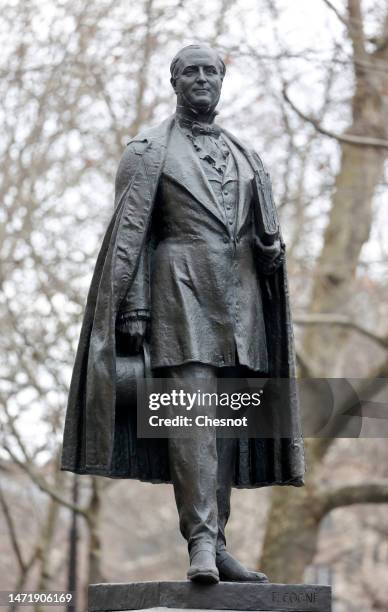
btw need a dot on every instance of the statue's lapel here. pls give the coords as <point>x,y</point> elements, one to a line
<point>183,165</point>
<point>245,177</point>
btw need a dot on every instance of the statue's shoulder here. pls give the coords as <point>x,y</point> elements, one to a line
<point>258,160</point>
<point>157,135</point>
<point>129,162</point>
<point>139,146</point>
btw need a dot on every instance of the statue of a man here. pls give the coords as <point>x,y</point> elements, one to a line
<point>192,262</point>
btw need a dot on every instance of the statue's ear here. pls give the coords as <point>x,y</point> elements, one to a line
<point>173,83</point>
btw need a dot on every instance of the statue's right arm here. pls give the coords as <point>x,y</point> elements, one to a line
<point>134,315</point>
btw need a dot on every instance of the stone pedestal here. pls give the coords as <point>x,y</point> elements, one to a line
<point>236,596</point>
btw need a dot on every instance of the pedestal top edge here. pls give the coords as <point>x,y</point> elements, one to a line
<point>219,585</point>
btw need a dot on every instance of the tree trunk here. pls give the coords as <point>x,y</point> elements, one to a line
<point>291,536</point>
<point>72,576</point>
<point>350,217</point>
<point>295,514</point>
<point>46,541</point>
<point>93,523</point>
<point>347,231</point>
<point>293,523</point>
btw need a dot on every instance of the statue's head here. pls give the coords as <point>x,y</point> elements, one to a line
<point>197,72</point>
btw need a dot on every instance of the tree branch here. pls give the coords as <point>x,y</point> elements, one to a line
<point>336,12</point>
<point>44,486</point>
<point>360,141</point>
<point>371,493</point>
<point>343,321</point>
<point>12,532</point>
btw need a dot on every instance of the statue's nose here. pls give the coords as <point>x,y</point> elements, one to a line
<point>201,76</point>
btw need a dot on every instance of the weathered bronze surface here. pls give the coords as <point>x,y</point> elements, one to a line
<point>193,264</point>
<point>183,596</point>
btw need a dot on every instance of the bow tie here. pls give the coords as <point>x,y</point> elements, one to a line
<point>209,130</point>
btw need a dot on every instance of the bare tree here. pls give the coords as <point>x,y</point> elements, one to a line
<point>79,79</point>
<point>295,516</point>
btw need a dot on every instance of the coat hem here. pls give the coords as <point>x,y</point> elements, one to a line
<point>297,481</point>
<point>210,362</point>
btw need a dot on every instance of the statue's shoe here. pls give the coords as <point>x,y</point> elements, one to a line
<point>231,570</point>
<point>203,567</point>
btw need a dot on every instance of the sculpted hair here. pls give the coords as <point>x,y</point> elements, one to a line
<point>175,62</point>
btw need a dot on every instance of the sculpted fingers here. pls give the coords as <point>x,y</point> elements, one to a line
<point>137,332</point>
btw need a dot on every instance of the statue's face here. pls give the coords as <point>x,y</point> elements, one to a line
<point>199,81</point>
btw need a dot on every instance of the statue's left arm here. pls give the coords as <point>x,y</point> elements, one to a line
<point>269,245</point>
<point>269,258</point>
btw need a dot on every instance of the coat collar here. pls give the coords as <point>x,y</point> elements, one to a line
<point>157,138</point>
<point>181,156</point>
<point>159,135</point>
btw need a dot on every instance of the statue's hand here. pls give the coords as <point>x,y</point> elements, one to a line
<point>135,326</point>
<point>269,257</point>
<point>136,334</point>
<point>269,253</point>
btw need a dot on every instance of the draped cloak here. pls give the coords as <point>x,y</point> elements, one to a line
<point>97,438</point>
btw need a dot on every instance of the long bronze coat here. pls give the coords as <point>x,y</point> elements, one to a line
<point>206,301</point>
<point>98,438</point>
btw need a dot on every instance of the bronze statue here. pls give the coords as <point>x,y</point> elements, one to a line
<point>194,264</point>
